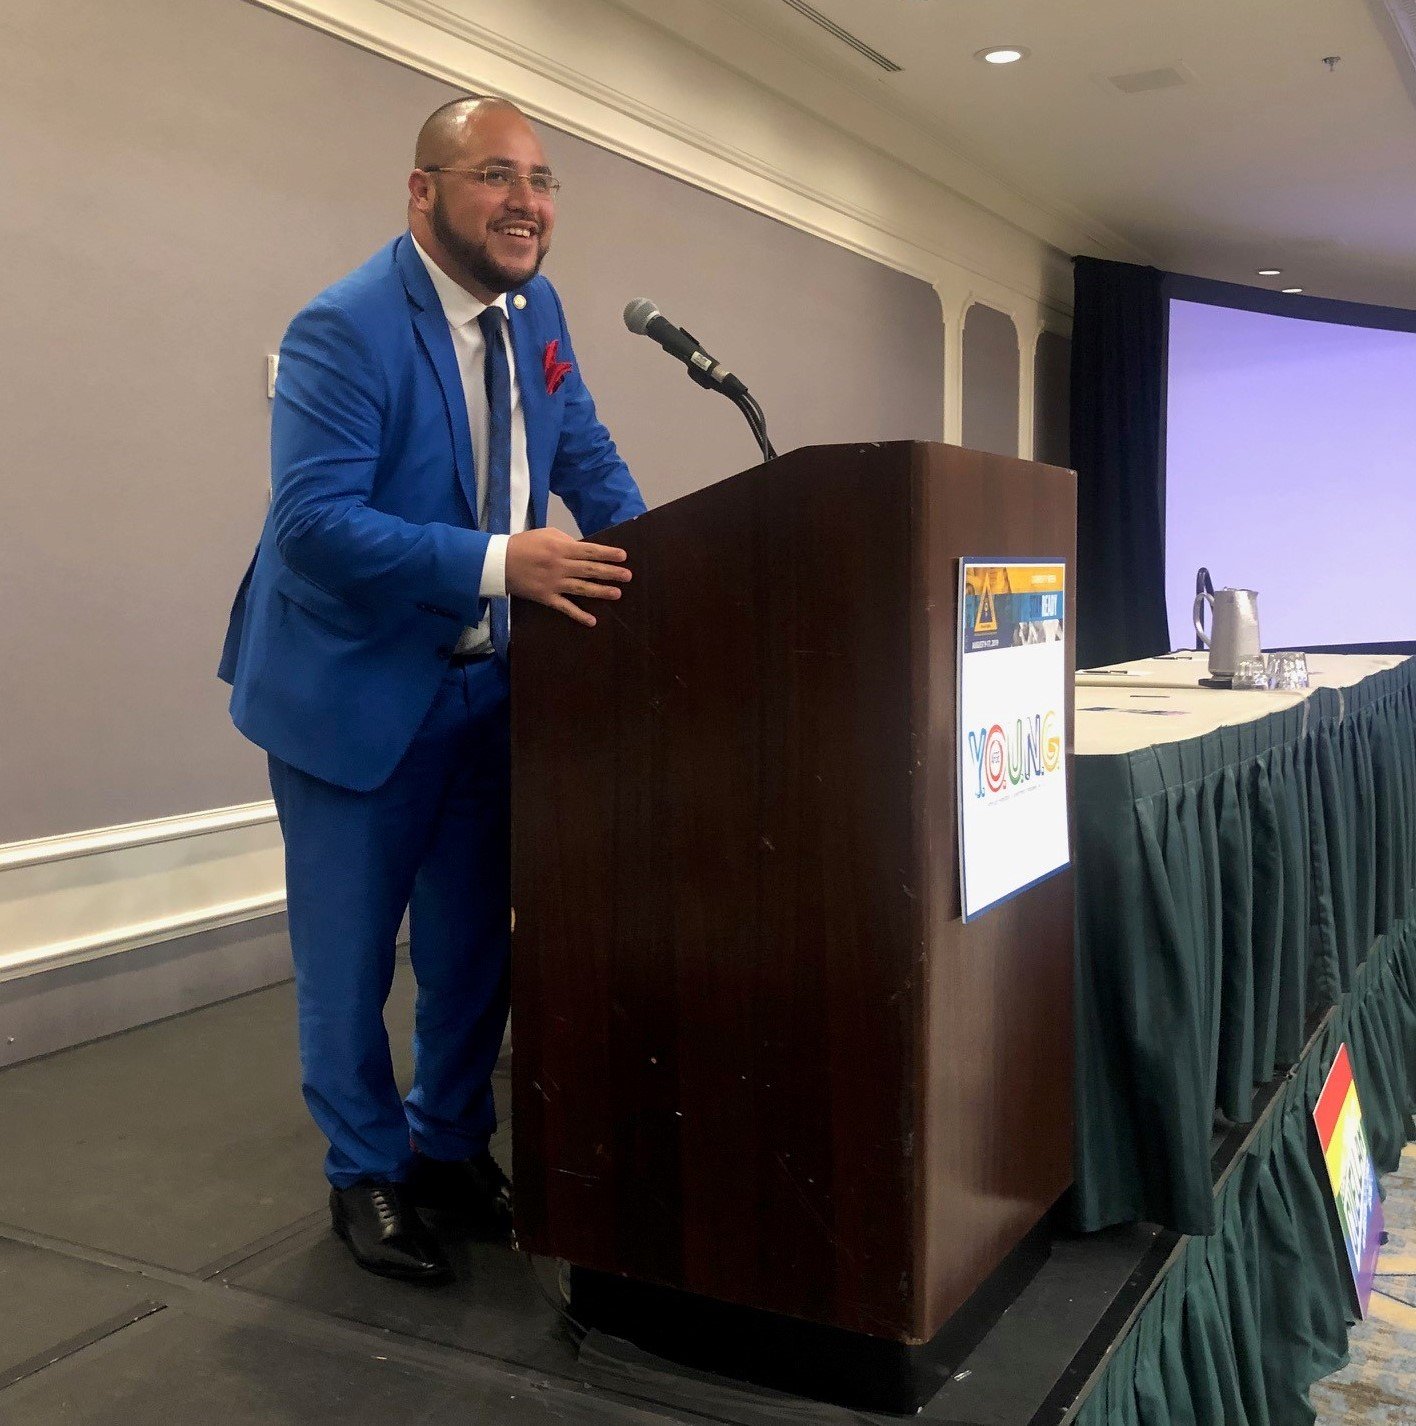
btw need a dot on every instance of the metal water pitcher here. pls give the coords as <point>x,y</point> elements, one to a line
<point>1234,624</point>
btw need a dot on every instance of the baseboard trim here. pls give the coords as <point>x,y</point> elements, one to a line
<point>82,896</point>
<point>146,933</point>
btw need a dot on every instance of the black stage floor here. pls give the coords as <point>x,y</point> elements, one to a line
<point>165,1257</point>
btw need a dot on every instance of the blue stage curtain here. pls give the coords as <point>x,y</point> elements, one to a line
<point>1118,449</point>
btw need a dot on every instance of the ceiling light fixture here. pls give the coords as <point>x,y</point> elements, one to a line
<point>1002,54</point>
<point>1270,272</point>
<point>1292,291</point>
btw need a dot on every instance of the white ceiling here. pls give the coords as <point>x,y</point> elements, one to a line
<point>1261,158</point>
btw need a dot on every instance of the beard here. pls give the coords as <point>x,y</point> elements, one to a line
<point>475,259</point>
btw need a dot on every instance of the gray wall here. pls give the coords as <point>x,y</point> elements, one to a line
<point>834,346</point>
<point>990,380</point>
<point>1052,400</point>
<point>179,177</point>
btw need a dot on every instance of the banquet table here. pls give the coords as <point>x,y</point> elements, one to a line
<point>1246,905</point>
<point>1239,854</point>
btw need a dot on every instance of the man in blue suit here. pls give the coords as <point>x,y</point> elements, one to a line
<point>426,406</point>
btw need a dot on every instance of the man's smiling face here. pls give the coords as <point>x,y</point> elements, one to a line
<point>488,239</point>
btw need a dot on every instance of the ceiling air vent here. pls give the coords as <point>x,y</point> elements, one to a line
<point>1144,80</point>
<point>845,36</point>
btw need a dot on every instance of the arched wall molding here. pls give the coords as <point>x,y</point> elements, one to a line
<point>1029,329</point>
<point>1027,375</point>
<point>1029,336</point>
<point>1022,321</point>
<point>1045,328</point>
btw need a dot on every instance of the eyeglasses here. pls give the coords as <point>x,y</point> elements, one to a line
<point>501,179</point>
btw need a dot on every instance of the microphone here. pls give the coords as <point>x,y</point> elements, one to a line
<point>643,318</point>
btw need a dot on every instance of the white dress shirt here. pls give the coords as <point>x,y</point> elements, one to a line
<point>462,311</point>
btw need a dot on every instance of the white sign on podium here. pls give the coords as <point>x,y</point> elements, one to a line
<point>1012,731</point>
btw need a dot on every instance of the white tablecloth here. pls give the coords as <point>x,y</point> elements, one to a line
<point>1124,707</point>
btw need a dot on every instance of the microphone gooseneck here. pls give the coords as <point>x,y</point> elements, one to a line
<point>644,319</point>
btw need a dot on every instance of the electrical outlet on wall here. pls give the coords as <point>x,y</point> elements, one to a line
<point>272,366</point>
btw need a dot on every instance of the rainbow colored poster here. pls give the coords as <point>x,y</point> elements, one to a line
<point>1012,730</point>
<point>1338,1118</point>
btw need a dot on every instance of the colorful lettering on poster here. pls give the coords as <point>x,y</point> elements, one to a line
<point>1004,759</point>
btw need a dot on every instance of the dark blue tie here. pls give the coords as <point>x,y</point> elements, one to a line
<point>498,457</point>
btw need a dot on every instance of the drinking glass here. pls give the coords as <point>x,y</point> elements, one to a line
<point>1288,670</point>
<point>1251,673</point>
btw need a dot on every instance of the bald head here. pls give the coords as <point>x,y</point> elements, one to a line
<point>446,132</point>
<point>472,206</point>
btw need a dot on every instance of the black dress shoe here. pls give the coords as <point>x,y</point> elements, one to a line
<point>474,1194</point>
<point>380,1223</point>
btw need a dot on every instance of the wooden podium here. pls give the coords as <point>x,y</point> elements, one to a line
<point>759,1058</point>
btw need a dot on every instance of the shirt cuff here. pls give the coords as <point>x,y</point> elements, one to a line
<point>494,568</point>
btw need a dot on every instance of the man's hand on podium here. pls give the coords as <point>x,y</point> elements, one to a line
<point>550,566</point>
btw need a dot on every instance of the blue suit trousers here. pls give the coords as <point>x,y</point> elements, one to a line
<point>433,840</point>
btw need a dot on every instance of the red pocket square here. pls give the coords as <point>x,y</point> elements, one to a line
<point>556,371</point>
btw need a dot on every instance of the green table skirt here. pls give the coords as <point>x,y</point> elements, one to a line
<point>1248,1317</point>
<point>1228,888</point>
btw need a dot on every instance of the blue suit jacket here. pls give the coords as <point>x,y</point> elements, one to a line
<point>370,561</point>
